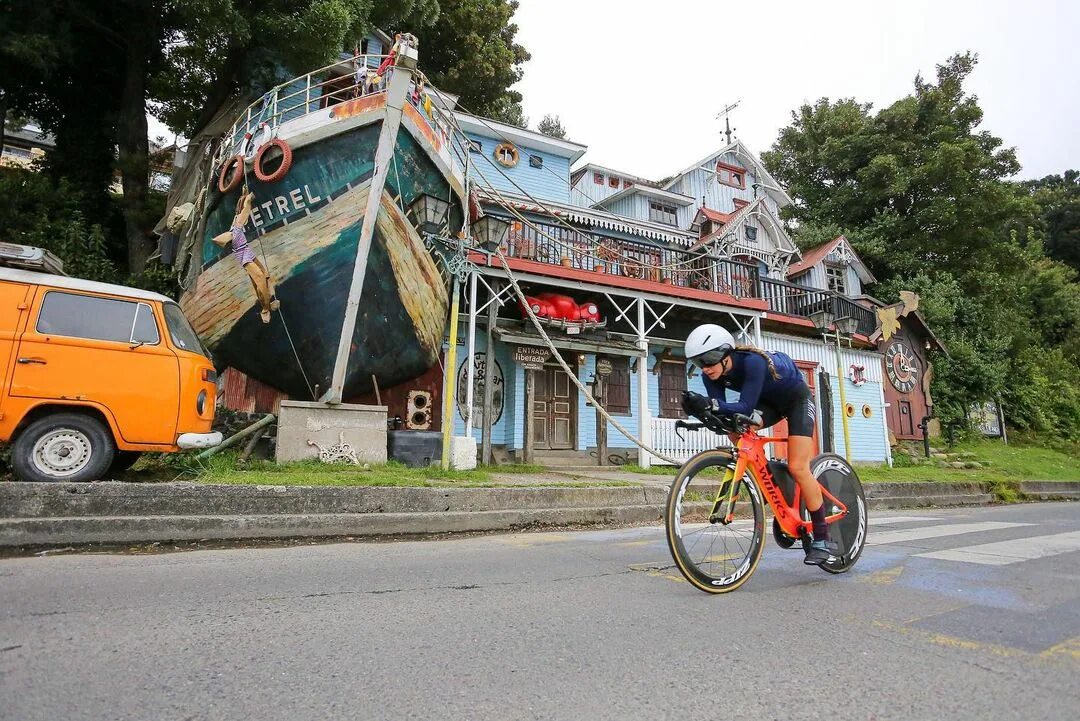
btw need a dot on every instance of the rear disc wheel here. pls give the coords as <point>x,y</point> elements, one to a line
<point>714,557</point>
<point>837,476</point>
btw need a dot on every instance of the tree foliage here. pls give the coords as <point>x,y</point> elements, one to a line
<point>552,126</point>
<point>470,51</point>
<point>924,196</point>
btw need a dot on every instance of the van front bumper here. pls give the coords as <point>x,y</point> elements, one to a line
<point>188,441</point>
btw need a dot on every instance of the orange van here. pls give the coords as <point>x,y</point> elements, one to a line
<point>92,374</point>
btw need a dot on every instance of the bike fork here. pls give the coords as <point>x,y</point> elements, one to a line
<point>723,508</point>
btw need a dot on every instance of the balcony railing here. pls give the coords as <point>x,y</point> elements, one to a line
<point>563,246</point>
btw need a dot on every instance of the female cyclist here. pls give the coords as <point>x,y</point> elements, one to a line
<point>770,383</point>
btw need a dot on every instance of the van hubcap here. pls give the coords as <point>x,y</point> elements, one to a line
<point>62,453</point>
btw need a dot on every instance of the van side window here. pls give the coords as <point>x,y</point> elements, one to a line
<point>85,316</point>
<point>145,330</point>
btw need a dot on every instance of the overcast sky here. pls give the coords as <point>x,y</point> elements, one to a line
<point>640,83</point>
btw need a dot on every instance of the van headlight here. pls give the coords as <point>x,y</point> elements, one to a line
<point>200,402</point>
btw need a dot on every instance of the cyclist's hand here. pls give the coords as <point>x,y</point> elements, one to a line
<point>696,404</point>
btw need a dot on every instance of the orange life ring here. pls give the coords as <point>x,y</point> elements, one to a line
<point>232,174</point>
<point>286,161</point>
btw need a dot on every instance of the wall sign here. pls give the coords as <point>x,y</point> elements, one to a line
<point>604,367</point>
<point>480,365</point>
<point>531,357</point>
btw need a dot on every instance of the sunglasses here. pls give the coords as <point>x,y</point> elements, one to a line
<point>709,358</point>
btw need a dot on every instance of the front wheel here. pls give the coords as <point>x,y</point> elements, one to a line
<point>63,447</point>
<point>715,556</point>
<point>849,533</point>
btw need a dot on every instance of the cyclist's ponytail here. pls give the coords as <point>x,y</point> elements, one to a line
<point>764,354</point>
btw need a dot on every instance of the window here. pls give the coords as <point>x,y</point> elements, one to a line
<point>85,316</point>
<point>731,175</point>
<point>617,387</point>
<point>363,46</point>
<point>598,178</point>
<point>751,232</point>
<point>181,332</point>
<point>14,152</point>
<point>627,184</point>
<point>660,213</point>
<point>475,146</point>
<point>535,161</point>
<point>613,182</point>
<point>672,386</point>
<point>834,278</point>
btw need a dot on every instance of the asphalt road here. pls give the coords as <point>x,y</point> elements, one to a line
<point>971,614</point>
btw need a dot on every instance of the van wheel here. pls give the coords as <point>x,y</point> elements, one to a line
<point>63,447</point>
<point>122,461</point>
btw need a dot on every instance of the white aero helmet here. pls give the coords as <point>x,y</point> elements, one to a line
<point>708,345</point>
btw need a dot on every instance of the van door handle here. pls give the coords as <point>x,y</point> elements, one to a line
<point>26,361</point>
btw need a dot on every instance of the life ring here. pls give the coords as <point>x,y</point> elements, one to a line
<point>232,174</point>
<point>282,169</point>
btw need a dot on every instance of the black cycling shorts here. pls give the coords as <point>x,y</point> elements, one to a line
<point>801,414</point>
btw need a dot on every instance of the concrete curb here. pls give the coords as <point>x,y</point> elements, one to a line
<point>47,514</point>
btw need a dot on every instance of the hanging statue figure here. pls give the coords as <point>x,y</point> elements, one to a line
<point>245,255</point>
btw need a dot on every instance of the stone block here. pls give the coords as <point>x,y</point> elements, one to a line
<point>463,453</point>
<point>303,423</point>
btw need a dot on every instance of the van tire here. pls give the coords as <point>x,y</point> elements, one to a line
<point>44,450</point>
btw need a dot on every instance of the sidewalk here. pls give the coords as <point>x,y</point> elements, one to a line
<point>51,514</point>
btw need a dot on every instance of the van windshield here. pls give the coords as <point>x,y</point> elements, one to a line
<point>181,332</point>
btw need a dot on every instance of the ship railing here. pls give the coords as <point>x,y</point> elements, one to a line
<point>347,79</point>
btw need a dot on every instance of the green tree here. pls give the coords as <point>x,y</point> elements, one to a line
<point>470,51</point>
<point>1057,201</point>
<point>552,126</point>
<point>923,194</point>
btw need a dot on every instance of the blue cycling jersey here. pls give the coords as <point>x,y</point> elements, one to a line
<point>750,376</point>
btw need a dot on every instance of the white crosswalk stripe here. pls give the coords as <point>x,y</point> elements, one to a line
<point>1002,553</point>
<point>896,520</point>
<point>948,529</point>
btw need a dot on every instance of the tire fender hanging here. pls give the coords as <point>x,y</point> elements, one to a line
<point>232,174</point>
<point>283,169</point>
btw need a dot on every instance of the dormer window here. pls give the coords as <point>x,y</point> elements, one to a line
<point>598,178</point>
<point>660,213</point>
<point>613,182</point>
<point>836,278</point>
<point>731,175</point>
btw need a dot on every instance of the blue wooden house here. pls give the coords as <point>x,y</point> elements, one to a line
<point>657,259</point>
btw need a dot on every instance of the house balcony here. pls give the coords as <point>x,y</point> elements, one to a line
<point>560,252</point>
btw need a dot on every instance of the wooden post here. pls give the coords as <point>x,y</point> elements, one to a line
<point>530,391</point>
<point>601,423</point>
<point>489,389</point>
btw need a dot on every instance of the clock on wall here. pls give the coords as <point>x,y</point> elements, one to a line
<point>902,366</point>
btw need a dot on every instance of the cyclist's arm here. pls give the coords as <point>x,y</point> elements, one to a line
<point>750,393</point>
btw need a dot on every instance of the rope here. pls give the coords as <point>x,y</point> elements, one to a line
<point>573,376</point>
<point>266,266</point>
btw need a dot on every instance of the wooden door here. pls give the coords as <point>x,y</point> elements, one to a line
<point>809,372</point>
<point>554,418</point>
<point>672,385</point>
<point>907,418</point>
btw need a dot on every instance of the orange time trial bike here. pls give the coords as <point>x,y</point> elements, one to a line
<point>715,516</point>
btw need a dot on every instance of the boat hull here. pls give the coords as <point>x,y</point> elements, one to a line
<point>305,230</point>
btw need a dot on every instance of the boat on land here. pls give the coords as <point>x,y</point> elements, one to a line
<point>339,161</point>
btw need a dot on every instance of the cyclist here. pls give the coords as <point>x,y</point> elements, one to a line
<point>771,383</point>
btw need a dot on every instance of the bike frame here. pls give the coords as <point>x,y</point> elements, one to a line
<point>750,457</point>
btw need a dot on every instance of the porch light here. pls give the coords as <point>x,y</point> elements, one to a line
<point>429,213</point>
<point>847,326</point>
<point>489,232</point>
<point>822,319</point>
